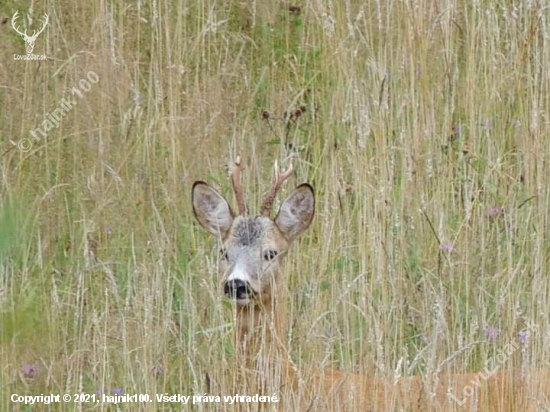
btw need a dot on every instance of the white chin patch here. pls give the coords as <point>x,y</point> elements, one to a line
<point>243,302</point>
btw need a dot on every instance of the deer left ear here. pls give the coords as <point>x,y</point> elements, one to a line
<point>296,212</point>
<point>211,209</point>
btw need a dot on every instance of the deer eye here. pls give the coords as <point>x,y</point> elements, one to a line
<point>270,255</point>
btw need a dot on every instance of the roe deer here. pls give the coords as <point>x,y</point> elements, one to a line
<point>251,254</point>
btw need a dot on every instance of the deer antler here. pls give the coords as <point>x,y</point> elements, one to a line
<point>34,36</point>
<point>279,180</point>
<point>15,28</point>
<point>236,180</point>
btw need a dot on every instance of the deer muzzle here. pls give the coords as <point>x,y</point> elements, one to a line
<point>238,290</point>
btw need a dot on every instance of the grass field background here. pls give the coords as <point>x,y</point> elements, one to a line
<point>424,127</point>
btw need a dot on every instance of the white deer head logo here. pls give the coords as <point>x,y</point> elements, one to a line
<point>29,40</point>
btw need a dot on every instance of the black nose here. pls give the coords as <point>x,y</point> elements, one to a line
<point>236,289</point>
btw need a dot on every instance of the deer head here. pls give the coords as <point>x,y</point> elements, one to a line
<point>29,40</point>
<point>252,247</point>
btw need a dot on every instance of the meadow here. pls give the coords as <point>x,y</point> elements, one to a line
<point>423,126</point>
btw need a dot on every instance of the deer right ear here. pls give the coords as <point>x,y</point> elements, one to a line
<point>296,212</point>
<point>211,209</point>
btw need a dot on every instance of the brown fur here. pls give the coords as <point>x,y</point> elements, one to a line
<point>263,358</point>
<point>260,330</point>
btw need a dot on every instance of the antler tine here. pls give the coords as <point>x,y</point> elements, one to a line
<point>279,180</point>
<point>34,33</point>
<point>44,26</point>
<point>14,18</point>
<point>236,180</point>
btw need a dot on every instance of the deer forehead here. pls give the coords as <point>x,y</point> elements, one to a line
<point>258,231</point>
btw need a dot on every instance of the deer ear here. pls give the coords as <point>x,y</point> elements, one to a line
<point>296,212</point>
<point>211,209</point>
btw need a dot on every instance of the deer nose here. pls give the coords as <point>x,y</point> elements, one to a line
<point>236,289</point>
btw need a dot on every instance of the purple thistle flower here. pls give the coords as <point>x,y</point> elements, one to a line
<point>457,129</point>
<point>100,391</point>
<point>29,370</point>
<point>118,391</point>
<point>523,335</point>
<point>107,229</point>
<point>158,371</point>
<point>487,124</point>
<point>494,211</point>
<point>492,333</point>
<point>447,247</point>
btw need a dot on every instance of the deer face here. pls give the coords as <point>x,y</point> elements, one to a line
<point>30,44</point>
<point>252,247</point>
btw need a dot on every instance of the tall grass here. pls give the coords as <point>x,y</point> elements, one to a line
<point>422,125</point>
